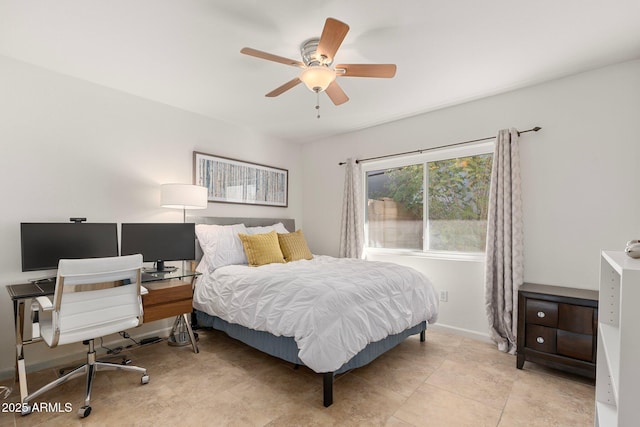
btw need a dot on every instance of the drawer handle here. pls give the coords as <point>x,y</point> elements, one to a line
<point>540,340</point>
<point>541,314</point>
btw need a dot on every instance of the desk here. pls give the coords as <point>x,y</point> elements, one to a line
<point>169,295</point>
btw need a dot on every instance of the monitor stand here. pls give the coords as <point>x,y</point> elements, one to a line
<point>160,268</point>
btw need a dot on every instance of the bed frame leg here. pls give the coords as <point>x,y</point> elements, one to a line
<point>423,336</point>
<point>327,386</point>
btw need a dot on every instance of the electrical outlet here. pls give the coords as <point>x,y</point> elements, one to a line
<point>444,296</point>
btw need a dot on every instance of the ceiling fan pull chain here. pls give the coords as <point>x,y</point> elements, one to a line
<point>318,104</point>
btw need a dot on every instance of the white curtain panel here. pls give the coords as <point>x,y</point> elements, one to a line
<point>352,228</point>
<point>504,267</point>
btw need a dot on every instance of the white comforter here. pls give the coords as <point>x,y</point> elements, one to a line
<point>332,307</point>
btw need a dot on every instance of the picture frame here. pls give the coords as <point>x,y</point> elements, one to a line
<point>236,181</point>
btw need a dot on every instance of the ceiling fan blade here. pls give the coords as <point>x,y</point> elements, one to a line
<point>333,33</point>
<point>336,94</point>
<point>366,70</point>
<point>285,87</point>
<point>271,57</point>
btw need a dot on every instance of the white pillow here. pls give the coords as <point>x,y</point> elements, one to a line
<point>279,228</point>
<point>221,245</point>
<point>203,265</point>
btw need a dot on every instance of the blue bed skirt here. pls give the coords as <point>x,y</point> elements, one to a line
<point>286,348</point>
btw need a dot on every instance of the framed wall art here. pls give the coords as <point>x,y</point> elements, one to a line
<point>236,181</point>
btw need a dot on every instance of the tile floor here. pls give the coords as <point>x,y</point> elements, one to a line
<point>447,381</point>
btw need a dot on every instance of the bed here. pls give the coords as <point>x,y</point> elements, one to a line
<point>331,315</point>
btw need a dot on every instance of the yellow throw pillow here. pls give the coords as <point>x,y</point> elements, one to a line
<point>294,246</point>
<point>261,249</point>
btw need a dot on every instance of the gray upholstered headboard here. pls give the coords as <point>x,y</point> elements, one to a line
<point>289,224</point>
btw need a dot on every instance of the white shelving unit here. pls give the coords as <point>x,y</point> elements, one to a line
<point>618,359</point>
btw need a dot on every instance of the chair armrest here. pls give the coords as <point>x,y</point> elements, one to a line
<point>45,303</point>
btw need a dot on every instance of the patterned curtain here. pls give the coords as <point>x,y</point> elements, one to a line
<point>504,268</point>
<point>352,228</point>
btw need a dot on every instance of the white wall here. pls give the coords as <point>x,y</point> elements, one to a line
<point>76,149</point>
<point>580,179</point>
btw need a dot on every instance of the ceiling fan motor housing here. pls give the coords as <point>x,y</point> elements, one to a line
<point>308,51</point>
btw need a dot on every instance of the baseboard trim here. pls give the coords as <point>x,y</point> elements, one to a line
<point>467,333</point>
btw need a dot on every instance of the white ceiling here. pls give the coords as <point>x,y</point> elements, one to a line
<point>186,53</point>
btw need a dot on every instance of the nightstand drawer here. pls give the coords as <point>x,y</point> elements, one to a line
<point>542,313</point>
<point>541,338</point>
<point>578,346</point>
<point>578,319</point>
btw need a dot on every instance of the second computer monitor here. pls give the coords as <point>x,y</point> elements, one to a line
<point>159,242</point>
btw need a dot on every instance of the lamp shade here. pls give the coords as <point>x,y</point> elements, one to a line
<point>183,196</point>
<point>317,77</point>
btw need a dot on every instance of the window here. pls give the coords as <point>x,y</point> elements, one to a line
<point>454,205</point>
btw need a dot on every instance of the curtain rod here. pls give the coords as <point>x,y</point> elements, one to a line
<point>534,129</point>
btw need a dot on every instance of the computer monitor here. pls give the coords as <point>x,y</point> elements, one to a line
<point>45,243</point>
<point>159,242</point>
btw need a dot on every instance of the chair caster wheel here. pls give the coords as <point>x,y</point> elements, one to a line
<point>144,379</point>
<point>26,409</point>
<point>84,411</point>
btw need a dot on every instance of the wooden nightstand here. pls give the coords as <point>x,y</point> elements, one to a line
<point>557,327</point>
<point>170,294</point>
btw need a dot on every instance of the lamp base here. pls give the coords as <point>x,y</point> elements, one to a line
<point>180,333</point>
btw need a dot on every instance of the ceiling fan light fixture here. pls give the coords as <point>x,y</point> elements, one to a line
<point>317,77</point>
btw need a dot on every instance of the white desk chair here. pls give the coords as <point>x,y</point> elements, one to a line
<point>93,297</point>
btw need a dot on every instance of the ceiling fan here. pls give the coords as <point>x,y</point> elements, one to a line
<point>318,72</point>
